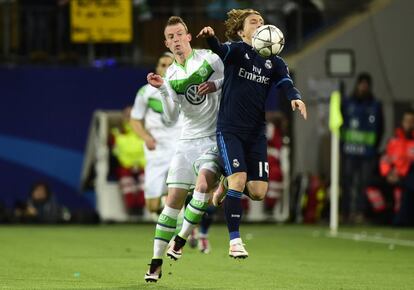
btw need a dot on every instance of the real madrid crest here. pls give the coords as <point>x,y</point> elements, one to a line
<point>268,64</point>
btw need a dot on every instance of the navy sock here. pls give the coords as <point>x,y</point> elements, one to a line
<point>207,219</point>
<point>233,211</point>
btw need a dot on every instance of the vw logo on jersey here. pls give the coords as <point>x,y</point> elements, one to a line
<point>203,71</point>
<point>268,64</point>
<point>236,163</point>
<point>192,97</point>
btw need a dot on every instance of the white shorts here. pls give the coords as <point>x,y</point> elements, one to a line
<point>209,160</point>
<point>156,171</point>
<point>182,173</point>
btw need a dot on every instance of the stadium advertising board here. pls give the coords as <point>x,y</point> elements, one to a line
<point>101,21</point>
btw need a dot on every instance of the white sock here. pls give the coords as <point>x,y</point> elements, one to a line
<point>159,249</point>
<point>236,241</point>
<point>186,229</point>
<point>202,236</point>
<point>160,245</point>
<point>201,196</point>
<point>171,212</point>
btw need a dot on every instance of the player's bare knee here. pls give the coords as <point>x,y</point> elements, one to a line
<point>176,204</point>
<point>237,185</point>
<point>176,198</point>
<point>201,186</point>
<point>257,189</point>
<point>237,181</point>
<point>257,195</point>
<point>206,181</point>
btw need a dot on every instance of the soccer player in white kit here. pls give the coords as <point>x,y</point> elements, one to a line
<point>148,121</point>
<point>190,89</point>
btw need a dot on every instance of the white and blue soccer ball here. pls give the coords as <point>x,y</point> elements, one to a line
<point>268,40</point>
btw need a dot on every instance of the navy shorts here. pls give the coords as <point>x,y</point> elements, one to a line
<point>244,153</point>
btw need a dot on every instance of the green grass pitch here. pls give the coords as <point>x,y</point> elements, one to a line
<point>281,257</point>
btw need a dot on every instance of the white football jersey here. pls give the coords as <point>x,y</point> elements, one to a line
<point>199,112</point>
<point>148,106</point>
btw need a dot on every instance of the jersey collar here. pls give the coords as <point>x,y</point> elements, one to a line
<point>184,67</point>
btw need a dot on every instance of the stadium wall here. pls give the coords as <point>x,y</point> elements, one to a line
<point>45,116</point>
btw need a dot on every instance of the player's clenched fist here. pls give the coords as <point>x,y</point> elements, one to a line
<point>155,80</point>
<point>301,106</point>
<point>206,32</point>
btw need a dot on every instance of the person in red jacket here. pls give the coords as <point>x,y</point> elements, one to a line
<point>275,130</point>
<point>397,166</point>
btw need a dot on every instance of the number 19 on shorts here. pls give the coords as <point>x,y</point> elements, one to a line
<point>263,166</point>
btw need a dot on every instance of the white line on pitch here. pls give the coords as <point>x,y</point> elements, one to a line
<point>374,239</point>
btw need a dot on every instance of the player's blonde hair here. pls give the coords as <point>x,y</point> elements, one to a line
<point>235,22</point>
<point>173,20</point>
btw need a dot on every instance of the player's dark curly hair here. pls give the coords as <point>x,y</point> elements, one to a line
<point>173,20</point>
<point>235,22</point>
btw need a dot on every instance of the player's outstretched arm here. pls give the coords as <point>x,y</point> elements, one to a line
<point>213,42</point>
<point>301,106</point>
<point>169,100</point>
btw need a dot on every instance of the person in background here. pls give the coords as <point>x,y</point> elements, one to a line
<point>160,137</point>
<point>275,129</point>
<point>41,207</point>
<point>361,135</point>
<point>128,149</point>
<point>397,167</point>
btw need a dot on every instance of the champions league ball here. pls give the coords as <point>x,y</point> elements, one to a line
<point>268,40</point>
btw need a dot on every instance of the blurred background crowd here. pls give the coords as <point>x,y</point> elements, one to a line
<point>45,31</point>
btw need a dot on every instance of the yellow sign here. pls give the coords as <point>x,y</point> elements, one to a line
<point>101,21</point>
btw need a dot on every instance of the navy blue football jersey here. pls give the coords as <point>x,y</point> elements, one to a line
<point>247,81</point>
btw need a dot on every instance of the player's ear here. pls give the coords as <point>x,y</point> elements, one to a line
<point>240,33</point>
<point>189,37</point>
<point>166,43</point>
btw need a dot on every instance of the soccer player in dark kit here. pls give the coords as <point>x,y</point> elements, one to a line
<point>241,122</point>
